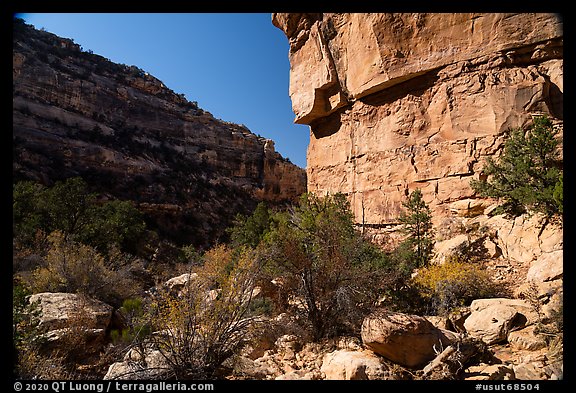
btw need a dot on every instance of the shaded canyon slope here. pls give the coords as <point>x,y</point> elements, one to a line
<point>130,137</point>
<point>397,102</point>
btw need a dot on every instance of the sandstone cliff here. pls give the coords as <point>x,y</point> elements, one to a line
<point>131,137</point>
<point>397,102</point>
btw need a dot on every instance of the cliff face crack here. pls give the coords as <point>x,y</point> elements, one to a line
<point>413,163</point>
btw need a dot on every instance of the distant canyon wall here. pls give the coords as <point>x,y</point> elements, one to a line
<point>397,102</point>
<point>75,113</point>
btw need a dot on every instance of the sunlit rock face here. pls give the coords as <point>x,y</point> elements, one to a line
<point>397,102</point>
<point>76,113</point>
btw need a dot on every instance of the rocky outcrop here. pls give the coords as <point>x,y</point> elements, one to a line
<point>58,310</point>
<point>130,137</point>
<point>402,101</point>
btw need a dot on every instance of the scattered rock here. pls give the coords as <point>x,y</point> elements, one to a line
<point>530,371</point>
<point>177,284</point>
<point>138,365</point>
<point>352,365</point>
<point>526,339</point>
<point>490,372</point>
<point>295,375</point>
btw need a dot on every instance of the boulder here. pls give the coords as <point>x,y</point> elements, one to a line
<point>527,339</point>
<point>524,239</point>
<point>548,267</point>
<point>151,364</point>
<point>468,207</point>
<point>446,248</point>
<point>530,371</point>
<point>78,340</point>
<point>492,319</point>
<point>177,284</point>
<point>60,310</point>
<point>409,340</point>
<point>353,365</point>
<point>72,323</point>
<point>522,306</point>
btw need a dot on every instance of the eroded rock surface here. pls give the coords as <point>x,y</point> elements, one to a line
<point>416,100</point>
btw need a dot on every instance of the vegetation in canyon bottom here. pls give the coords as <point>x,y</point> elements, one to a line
<point>309,261</point>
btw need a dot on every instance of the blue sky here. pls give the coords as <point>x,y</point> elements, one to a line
<point>234,65</point>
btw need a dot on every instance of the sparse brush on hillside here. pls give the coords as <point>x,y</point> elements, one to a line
<point>209,321</point>
<point>328,275</point>
<point>309,261</point>
<point>77,268</point>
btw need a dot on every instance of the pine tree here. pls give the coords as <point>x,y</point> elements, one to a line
<point>417,224</point>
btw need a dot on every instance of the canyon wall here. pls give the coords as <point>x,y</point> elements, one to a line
<point>76,113</point>
<point>397,102</point>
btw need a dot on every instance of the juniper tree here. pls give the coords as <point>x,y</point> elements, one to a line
<point>249,231</point>
<point>528,173</point>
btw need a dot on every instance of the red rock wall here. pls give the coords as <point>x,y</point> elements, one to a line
<point>397,102</point>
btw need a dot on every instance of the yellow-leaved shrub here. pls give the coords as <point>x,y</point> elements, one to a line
<point>453,284</point>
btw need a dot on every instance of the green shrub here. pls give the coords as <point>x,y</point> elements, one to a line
<point>250,231</point>
<point>27,215</point>
<point>136,327</point>
<point>114,223</point>
<point>331,276</point>
<point>68,207</point>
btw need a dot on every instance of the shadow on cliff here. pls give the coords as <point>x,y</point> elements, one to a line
<point>389,93</point>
